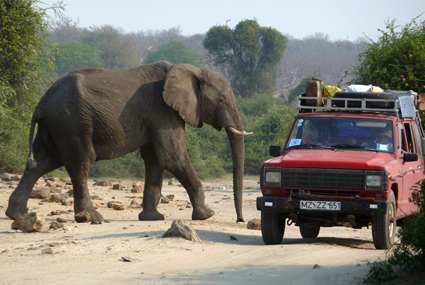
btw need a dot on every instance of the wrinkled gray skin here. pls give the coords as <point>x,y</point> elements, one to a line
<point>96,114</point>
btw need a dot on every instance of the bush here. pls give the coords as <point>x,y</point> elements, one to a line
<point>14,129</point>
<point>408,254</point>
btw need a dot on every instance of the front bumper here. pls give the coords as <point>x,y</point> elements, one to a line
<point>349,207</point>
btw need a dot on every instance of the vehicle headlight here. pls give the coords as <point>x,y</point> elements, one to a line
<point>376,180</point>
<point>373,181</point>
<point>273,177</point>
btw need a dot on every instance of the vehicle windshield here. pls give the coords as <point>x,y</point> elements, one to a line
<point>342,133</point>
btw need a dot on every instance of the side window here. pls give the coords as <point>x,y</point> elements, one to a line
<point>418,138</point>
<point>409,137</point>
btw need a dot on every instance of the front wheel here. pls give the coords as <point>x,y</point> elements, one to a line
<point>309,232</point>
<point>384,226</point>
<point>272,227</point>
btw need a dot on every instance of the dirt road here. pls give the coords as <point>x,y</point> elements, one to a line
<point>228,254</point>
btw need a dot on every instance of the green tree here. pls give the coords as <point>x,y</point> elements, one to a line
<point>119,50</point>
<point>25,53</point>
<point>77,56</point>
<point>26,60</point>
<point>175,52</point>
<point>396,60</point>
<point>251,53</point>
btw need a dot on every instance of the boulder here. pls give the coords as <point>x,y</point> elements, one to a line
<point>31,222</point>
<point>117,186</point>
<point>254,224</point>
<point>103,183</point>
<point>138,189</point>
<point>178,229</point>
<point>40,193</point>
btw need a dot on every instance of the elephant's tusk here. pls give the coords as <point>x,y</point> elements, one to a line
<point>239,132</point>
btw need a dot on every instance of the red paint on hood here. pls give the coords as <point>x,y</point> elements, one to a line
<point>325,158</point>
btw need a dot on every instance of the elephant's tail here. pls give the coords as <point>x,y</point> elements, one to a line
<point>31,162</point>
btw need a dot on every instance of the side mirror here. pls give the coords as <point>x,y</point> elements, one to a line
<point>275,150</point>
<point>410,156</point>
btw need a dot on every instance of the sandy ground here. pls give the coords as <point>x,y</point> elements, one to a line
<point>92,254</point>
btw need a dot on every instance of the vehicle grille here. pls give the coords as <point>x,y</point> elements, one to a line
<point>322,178</point>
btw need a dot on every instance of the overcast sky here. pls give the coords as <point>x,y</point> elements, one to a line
<point>340,19</point>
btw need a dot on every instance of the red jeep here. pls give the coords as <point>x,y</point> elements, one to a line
<point>350,160</point>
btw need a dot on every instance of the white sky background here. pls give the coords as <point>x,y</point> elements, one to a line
<point>340,19</point>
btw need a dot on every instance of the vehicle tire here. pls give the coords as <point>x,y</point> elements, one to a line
<point>272,227</point>
<point>384,226</point>
<point>309,232</point>
<point>367,95</point>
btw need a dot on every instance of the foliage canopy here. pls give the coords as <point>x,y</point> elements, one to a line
<point>396,60</point>
<point>25,53</point>
<point>251,53</point>
<point>175,52</point>
<point>77,56</point>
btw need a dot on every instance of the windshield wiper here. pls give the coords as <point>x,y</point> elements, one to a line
<point>344,145</point>
<point>310,146</point>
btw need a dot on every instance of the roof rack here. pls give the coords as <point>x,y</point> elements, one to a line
<point>403,106</point>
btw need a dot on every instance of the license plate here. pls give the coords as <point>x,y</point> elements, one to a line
<point>320,205</point>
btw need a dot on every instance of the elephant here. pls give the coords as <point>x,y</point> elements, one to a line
<point>96,114</point>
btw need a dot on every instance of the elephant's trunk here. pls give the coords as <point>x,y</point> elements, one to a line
<point>237,147</point>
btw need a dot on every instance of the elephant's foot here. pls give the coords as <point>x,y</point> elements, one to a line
<point>202,214</point>
<point>150,215</point>
<point>14,212</point>
<point>87,215</point>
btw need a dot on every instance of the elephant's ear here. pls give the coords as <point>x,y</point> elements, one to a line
<point>182,91</point>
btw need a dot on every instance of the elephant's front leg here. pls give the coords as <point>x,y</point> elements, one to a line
<point>173,155</point>
<point>153,185</point>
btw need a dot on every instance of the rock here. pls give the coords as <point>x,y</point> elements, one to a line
<point>50,184</point>
<point>117,186</point>
<point>118,207</point>
<point>56,198</point>
<point>67,182</point>
<point>68,228</point>
<point>61,220</point>
<point>138,189</point>
<point>164,200</point>
<point>171,181</point>
<point>115,205</point>
<point>40,193</point>
<point>31,222</point>
<point>67,203</point>
<point>82,217</point>
<point>178,229</point>
<point>16,178</point>
<point>5,177</point>
<point>40,180</point>
<point>55,213</point>
<point>70,193</point>
<point>171,197</point>
<point>47,251</point>
<point>254,224</point>
<point>138,184</point>
<point>56,225</point>
<point>134,202</point>
<point>54,179</point>
<point>103,183</point>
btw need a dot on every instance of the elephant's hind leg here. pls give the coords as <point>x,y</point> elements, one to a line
<point>19,198</point>
<point>153,185</point>
<point>78,172</point>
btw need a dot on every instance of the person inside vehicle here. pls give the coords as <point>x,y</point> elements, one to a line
<point>310,135</point>
<point>383,139</point>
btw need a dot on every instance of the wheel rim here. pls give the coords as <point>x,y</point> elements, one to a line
<point>391,216</point>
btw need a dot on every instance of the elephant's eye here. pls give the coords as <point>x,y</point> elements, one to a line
<point>221,100</point>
